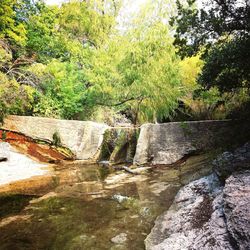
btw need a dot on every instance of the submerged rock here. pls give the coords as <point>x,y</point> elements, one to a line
<point>120,238</point>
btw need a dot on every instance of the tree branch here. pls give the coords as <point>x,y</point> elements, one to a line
<point>138,98</point>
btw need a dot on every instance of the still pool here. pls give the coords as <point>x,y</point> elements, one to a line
<point>90,207</point>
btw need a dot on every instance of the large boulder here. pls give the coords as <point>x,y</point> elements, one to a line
<point>194,221</point>
<point>206,216</point>
<point>83,138</point>
<point>169,142</point>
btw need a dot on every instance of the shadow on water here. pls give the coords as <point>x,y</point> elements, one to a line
<point>92,207</point>
<point>13,204</point>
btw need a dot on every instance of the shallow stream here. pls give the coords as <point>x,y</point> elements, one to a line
<point>90,207</point>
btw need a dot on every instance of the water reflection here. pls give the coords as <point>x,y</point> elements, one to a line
<point>93,207</point>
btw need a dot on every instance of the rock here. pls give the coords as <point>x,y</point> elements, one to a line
<point>237,208</point>
<point>120,238</point>
<point>19,166</point>
<point>206,216</point>
<point>167,143</point>
<point>143,144</point>
<point>162,144</point>
<point>4,151</point>
<point>120,198</point>
<point>119,145</point>
<point>229,162</point>
<point>194,221</point>
<point>3,159</point>
<point>83,138</point>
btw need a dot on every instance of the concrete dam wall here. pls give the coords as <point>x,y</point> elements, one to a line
<point>169,142</point>
<point>82,138</point>
<point>151,143</point>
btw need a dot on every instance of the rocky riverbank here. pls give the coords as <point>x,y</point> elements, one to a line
<point>210,213</point>
<point>18,166</point>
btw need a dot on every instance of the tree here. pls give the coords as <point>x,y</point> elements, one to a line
<point>43,39</point>
<point>75,61</point>
<point>10,27</point>
<point>190,68</point>
<point>63,89</point>
<point>89,22</point>
<point>219,31</point>
<point>138,74</point>
<point>14,98</point>
<point>227,65</point>
<point>199,28</point>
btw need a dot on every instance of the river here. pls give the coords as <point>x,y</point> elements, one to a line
<point>91,206</point>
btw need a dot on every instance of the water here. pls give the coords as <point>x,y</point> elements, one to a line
<point>91,207</point>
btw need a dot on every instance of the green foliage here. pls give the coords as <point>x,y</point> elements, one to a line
<point>3,112</point>
<point>200,29</point>
<point>190,68</point>
<point>14,98</point>
<point>5,54</point>
<point>80,21</point>
<point>43,39</point>
<point>56,139</point>
<point>10,28</point>
<point>4,135</point>
<point>138,75</point>
<point>63,86</point>
<point>74,61</point>
<point>237,104</point>
<point>205,105</point>
<point>197,29</point>
<point>220,33</point>
<point>227,65</point>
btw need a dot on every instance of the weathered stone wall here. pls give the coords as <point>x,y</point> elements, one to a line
<point>169,142</point>
<point>157,143</point>
<point>84,139</point>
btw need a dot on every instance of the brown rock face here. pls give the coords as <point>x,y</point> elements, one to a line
<point>82,138</point>
<point>28,146</point>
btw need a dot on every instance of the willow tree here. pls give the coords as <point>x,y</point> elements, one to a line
<point>150,74</point>
<point>138,72</point>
